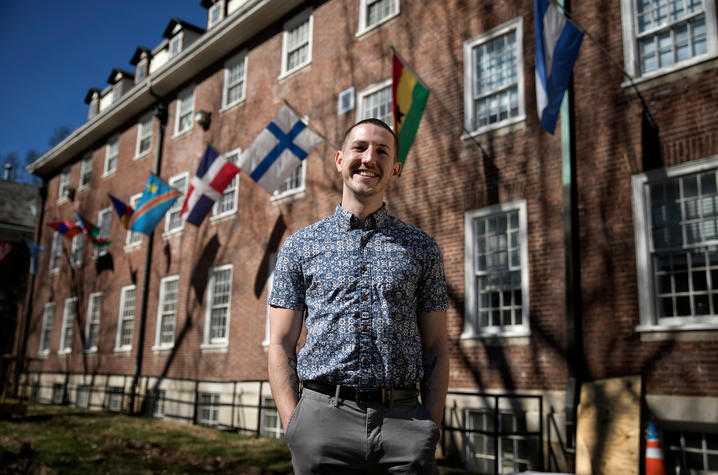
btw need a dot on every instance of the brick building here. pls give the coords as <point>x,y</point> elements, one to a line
<point>482,177</point>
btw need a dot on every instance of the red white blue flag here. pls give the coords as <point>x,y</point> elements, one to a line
<point>213,175</point>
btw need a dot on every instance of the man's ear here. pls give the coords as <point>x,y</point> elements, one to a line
<point>338,160</point>
<point>396,170</point>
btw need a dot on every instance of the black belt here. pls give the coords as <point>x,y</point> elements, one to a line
<point>363,395</point>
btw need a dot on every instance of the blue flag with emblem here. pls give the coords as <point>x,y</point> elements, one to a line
<point>278,150</point>
<point>156,199</point>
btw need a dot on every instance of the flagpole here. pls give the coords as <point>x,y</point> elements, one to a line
<point>467,134</point>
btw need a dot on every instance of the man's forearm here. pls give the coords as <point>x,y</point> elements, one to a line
<point>283,381</point>
<point>435,382</point>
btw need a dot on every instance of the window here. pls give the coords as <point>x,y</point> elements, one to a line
<point>56,252</point>
<point>271,424</point>
<point>207,409</point>
<point>664,35</point>
<point>345,101</point>
<point>58,393</point>
<point>104,219</point>
<point>480,449</point>
<point>214,15</point>
<point>117,91</point>
<point>375,103</point>
<point>159,397</point>
<point>94,309</point>
<point>219,290</point>
<point>493,78</point>
<point>167,312</point>
<point>676,221</point>
<point>86,171</point>
<point>133,238</point>
<point>176,45</point>
<point>691,452</point>
<point>111,151</point>
<point>126,318</point>
<point>144,136</point>
<point>115,395</point>
<point>48,314</point>
<point>82,399</point>
<point>270,283</point>
<point>227,202</point>
<point>63,190</point>
<point>373,13</point>
<point>496,271</point>
<point>184,110</point>
<point>297,42</point>
<point>76,252</point>
<point>235,78</point>
<point>140,71</point>
<point>68,324</point>
<point>173,221</point>
<point>293,184</point>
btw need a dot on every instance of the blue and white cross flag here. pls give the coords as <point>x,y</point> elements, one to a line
<point>557,45</point>
<point>278,150</point>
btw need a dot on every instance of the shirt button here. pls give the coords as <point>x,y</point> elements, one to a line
<point>363,268</point>
<point>365,328</point>
<point>364,297</point>
<point>364,360</point>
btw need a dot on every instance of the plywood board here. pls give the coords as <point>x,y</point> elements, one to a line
<point>609,425</point>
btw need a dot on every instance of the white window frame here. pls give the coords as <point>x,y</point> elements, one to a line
<point>515,25</point>
<point>370,91</point>
<point>208,408</point>
<point>175,45</point>
<point>76,250</point>
<point>518,462</point>
<point>233,62</point>
<point>68,326</point>
<point>176,207</point>
<point>85,171</point>
<point>94,308</point>
<point>55,253</point>
<point>211,22</point>
<point>302,171</point>
<point>159,345</point>
<point>642,221</point>
<point>269,415</point>
<point>113,143</point>
<point>141,70</point>
<point>364,27</point>
<point>82,396</point>
<point>270,283</point>
<point>144,124</point>
<point>124,319</point>
<point>210,342</point>
<point>185,95</point>
<point>472,328</point>
<point>233,187</point>
<point>305,16</point>
<point>63,189</point>
<point>115,398</point>
<point>133,239</point>
<point>117,91</point>
<point>631,57</point>
<point>345,101</point>
<point>102,215</point>
<point>48,315</point>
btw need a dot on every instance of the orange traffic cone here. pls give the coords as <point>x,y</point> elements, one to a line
<point>654,453</point>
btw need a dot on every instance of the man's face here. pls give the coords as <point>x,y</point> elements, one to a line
<point>367,162</point>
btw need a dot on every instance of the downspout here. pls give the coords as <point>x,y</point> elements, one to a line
<point>161,114</point>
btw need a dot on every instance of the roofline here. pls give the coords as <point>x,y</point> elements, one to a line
<point>250,20</point>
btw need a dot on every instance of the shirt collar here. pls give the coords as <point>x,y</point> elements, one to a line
<point>347,219</point>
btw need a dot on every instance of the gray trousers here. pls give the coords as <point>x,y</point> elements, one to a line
<point>341,437</point>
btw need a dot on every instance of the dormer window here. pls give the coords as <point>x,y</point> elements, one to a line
<point>215,14</point>
<point>141,71</point>
<point>176,45</point>
<point>116,92</point>
<point>94,108</point>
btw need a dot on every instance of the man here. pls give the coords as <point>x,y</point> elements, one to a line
<point>375,295</point>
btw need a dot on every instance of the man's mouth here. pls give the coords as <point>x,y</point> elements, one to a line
<point>366,173</point>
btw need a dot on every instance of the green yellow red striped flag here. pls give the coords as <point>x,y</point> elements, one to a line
<point>408,99</point>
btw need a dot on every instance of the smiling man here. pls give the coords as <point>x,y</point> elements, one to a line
<point>366,392</point>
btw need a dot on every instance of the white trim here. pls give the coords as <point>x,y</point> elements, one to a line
<point>292,192</point>
<point>83,171</point>
<point>177,206</point>
<point>363,28</point>
<point>129,245</point>
<point>176,40</point>
<point>160,303</point>
<point>46,328</point>
<point>109,171</point>
<point>240,58</point>
<point>349,94</point>
<point>142,65</point>
<point>271,264</point>
<point>55,253</point>
<point>217,6</point>
<point>235,181</point>
<point>206,341</point>
<point>78,242</point>
<point>471,320</point>
<point>90,308</point>
<point>469,117</point>
<point>368,91</point>
<point>183,96</point>
<point>123,302</point>
<point>140,131</point>
<point>64,349</point>
<point>63,188</point>
<point>101,251</point>
<point>298,20</point>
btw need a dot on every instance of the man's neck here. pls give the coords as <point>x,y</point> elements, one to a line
<point>361,208</point>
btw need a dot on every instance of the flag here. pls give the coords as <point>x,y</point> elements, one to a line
<point>66,228</point>
<point>34,254</point>
<point>213,176</point>
<point>408,99</point>
<point>557,44</point>
<point>92,231</point>
<point>123,211</point>
<point>156,199</point>
<point>278,150</point>
<point>5,248</point>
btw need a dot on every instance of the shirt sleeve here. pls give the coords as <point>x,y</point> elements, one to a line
<point>288,289</point>
<point>431,293</point>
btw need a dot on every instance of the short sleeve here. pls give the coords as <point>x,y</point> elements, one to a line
<point>431,292</point>
<point>288,289</point>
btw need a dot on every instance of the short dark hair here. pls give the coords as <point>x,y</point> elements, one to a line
<point>378,123</point>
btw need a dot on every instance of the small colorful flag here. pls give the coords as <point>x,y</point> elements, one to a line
<point>408,100</point>
<point>213,176</point>
<point>5,248</point>
<point>66,228</point>
<point>156,199</point>
<point>91,231</point>
<point>123,211</point>
<point>557,44</point>
<point>34,254</point>
<point>279,149</point>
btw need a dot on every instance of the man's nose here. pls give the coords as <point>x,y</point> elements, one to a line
<point>369,155</point>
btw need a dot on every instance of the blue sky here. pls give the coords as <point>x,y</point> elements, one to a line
<point>52,52</point>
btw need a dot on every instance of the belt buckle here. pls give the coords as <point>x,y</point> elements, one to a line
<point>364,395</point>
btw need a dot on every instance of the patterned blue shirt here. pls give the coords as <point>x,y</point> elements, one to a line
<point>363,287</point>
